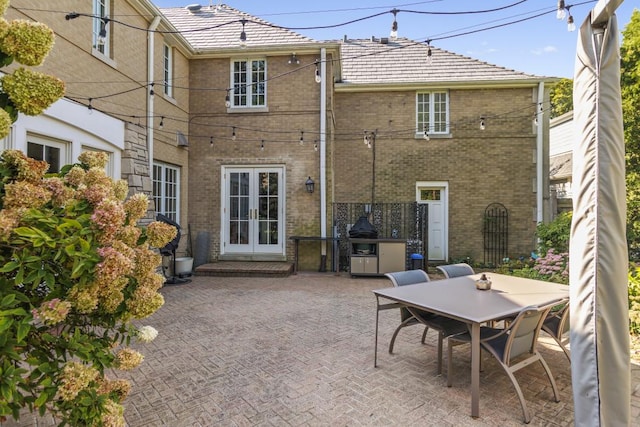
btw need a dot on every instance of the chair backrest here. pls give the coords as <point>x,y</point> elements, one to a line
<point>522,333</point>
<point>409,277</point>
<point>403,278</point>
<point>558,321</point>
<point>456,270</point>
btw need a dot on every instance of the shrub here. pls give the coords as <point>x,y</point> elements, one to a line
<point>634,299</point>
<point>77,272</point>
<point>554,234</point>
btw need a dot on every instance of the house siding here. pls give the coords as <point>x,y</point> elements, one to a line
<point>481,167</point>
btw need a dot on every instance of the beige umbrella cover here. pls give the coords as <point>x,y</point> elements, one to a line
<point>598,271</point>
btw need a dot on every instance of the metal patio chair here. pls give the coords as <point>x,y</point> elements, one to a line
<point>456,270</point>
<point>557,325</point>
<point>514,347</point>
<point>413,316</point>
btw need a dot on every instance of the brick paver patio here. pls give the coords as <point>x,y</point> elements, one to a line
<point>298,351</point>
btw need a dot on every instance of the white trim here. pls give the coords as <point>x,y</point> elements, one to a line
<point>167,70</point>
<point>68,121</point>
<point>444,187</point>
<point>248,83</point>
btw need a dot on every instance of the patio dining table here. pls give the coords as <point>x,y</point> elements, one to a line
<point>458,298</point>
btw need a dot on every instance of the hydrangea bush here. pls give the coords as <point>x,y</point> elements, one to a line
<point>78,273</point>
<point>24,90</point>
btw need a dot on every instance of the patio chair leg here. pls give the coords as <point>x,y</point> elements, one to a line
<point>523,404</point>
<point>424,333</point>
<point>395,334</point>
<point>551,379</point>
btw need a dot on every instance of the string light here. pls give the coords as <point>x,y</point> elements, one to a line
<point>429,53</point>
<point>394,26</point>
<point>262,145</point>
<point>301,137</point>
<point>482,125</point>
<point>233,134</point>
<point>102,35</point>
<point>426,134</point>
<point>243,34</point>
<point>151,92</point>
<point>571,26</point>
<point>315,145</point>
<point>161,125</point>
<point>90,107</point>
<point>211,141</point>
<point>561,13</point>
<point>227,99</point>
<point>318,77</point>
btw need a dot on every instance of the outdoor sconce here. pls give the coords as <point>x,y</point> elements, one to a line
<point>309,184</point>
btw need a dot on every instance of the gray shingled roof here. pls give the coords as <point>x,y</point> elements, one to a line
<point>196,28</point>
<point>405,61</point>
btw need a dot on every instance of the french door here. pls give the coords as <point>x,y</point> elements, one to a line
<point>253,212</point>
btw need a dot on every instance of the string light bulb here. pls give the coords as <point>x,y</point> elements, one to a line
<point>102,35</point>
<point>151,92</point>
<point>262,145</point>
<point>429,53</point>
<point>211,141</point>
<point>243,34</point>
<point>90,107</point>
<point>561,13</point>
<point>482,124</point>
<point>425,135</point>
<point>233,133</point>
<point>366,138</point>
<point>571,26</point>
<point>161,125</point>
<point>318,76</point>
<point>301,137</point>
<point>394,26</point>
<point>227,100</point>
<point>315,146</point>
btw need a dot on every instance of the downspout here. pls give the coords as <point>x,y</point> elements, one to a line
<point>150,74</point>
<point>540,156</point>
<point>323,151</point>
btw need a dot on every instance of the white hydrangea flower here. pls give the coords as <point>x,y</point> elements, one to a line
<point>147,334</point>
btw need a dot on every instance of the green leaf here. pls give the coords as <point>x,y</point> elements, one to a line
<point>8,300</point>
<point>9,267</point>
<point>23,331</point>
<point>42,399</point>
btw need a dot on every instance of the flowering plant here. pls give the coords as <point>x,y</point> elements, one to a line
<point>77,273</point>
<point>24,90</point>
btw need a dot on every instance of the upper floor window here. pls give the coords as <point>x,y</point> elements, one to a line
<point>101,20</point>
<point>166,186</point>
<point>249,83</point>
<point>167,76</point>
<point>432,113</point>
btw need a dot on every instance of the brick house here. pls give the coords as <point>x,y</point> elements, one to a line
<point>113,73</point>
<point>244,113</point>
<point>385,88</point>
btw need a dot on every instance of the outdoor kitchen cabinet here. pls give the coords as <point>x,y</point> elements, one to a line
<point>374,257</point>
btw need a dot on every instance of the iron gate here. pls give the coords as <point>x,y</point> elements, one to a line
<point>496,234</point>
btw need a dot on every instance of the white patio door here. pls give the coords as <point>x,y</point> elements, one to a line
<point>435,195</point>
<point>253,210</point>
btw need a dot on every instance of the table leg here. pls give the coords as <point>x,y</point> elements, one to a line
<point>375,346</point>
<point>475,370</point>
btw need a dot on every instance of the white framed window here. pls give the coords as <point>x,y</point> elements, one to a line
<point>432,113</point>
<point>108,168</point>
<point>249,83</point>
<point>167,75</point>
<point>166,190</point>
<point>101,27</point>
<point>52,151</point>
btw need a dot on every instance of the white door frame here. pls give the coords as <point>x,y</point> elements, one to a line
<point>253,247</point>
<point>443,186</point>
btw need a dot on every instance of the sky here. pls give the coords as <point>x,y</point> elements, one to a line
<point>542,45</point>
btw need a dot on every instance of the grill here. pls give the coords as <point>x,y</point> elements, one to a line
<point>363,229</point>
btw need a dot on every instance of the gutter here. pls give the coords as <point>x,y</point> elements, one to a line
<point>540,157</point>
<point>150,75</point>
<point>323,148</point>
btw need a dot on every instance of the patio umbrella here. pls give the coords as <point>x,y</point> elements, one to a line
<point>600,363</point>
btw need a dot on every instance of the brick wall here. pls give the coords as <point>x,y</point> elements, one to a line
<point>481,167</point>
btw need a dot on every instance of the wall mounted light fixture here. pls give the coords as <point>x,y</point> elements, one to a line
<point>310,185</point>
<point>294,59</point>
